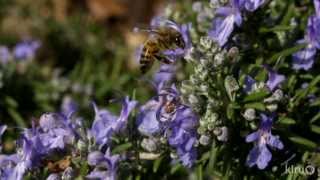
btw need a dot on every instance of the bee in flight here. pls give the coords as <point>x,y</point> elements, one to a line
<point>161,38</point>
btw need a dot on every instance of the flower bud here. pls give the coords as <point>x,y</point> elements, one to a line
<point>278,95</point>
<point>272,107</point>
<point>233,53</point>
<point>231,86</point>
<point>201,130</point>
<point>249,114</point>
<point>218,59</point>
<point>204,140</point>
<point>224,134</point>
<point>206,42</point>
<point>193,100</point>
<point>149,144</point>
<point>81,145</point>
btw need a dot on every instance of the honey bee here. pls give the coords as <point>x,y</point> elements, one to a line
<point>60,165</point>
<point>160,39</point>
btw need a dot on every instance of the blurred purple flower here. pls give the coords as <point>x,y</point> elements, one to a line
<point>56,131</point>
<point>274,79</point>
<point>313,31</point>
<point>165,75</point>
<point>248,84</point>
<point>4,54</point>
<point>106,165</point>
<point>223,24</point>
<point>7,165</point>
<point>304,59</point>
<point>317,7</point>
<point>260,154</point>
<point>106,124</point>
<point>252,5</point>
<point>68,106</point>
<point>26,50</point>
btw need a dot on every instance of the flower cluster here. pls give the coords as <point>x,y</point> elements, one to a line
<point>166,117</point>
<point>24,50</point>
<point>229,16</point>
<point>64,135</point>
<point>304,59</point>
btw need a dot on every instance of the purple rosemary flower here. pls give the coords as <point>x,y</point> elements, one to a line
<point>56,131</point>
<point>165,75</point>
<point>274,79</point>
<point>313,31</point>
<point>106,124</point>
<point>4,54</point>
<point>106,165</point>
<point>252,5</point>
<point>223,24</point>
<point>147,122</point>
<point>183,135</point>
<point>26,50</point>
<point>174,54</point>
<point>29,154</point>
<point>7,166</point>
<point>166,116</point>
<point>260,154</point>
<point>317,7</point>
<point>304,59</point>
<point>68,106</point>
<point>248,84</point>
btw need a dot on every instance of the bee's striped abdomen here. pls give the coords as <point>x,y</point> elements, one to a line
<point>147,56</point>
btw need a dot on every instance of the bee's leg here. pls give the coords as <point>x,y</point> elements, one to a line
<point>163,59</point>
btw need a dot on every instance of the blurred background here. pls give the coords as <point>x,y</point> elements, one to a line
<point>60,51</point>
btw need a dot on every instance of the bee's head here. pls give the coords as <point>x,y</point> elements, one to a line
<point>178,41</point>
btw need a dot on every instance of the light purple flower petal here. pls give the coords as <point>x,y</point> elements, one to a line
<point>26,50</point>
<point>222,29</point>
<point>252,137</point>
<point>317,7</point>
<point>68,106</point>
<point>147,120</point>
<point>313,31</point>
<point>127,107</point>
<point>248,84</point>
<point>4,54</point>
<point>106,161</point>
<point>274,79</point>
<point>264,157</point>
<point>275,142</point>
<point>97,174</point>
<point>252,5</point>
<point>253,156</point>
<point>304,59</point>
<point>165,75</point>
<point>94,158</point>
